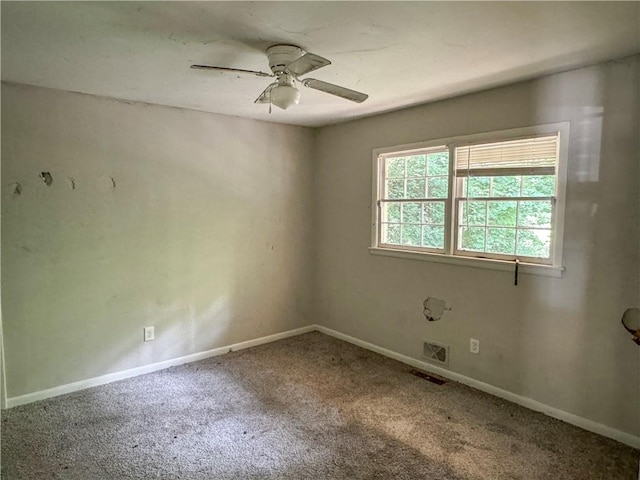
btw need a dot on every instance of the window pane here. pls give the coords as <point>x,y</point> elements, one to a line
<point>411,212</point>
<point>506,186</point>
<point>471,238</point>
<point>433,236</point>
<point>411,234</point>
<point>438,163</point>
<point>391,233</point>
<point>416,166</point>
<point>395,167</point>
<point>438,187</point>
<point>502,214</point>
<point>534,243</point>
<point>476,187</point>
<point>395,189</point>
<point>501,240</point>
<point>538,185</point>
<point>391,212</point>
<point>433,213</point>
<point>473,213</point>
<point>534,213</point>
<point>416,188</point>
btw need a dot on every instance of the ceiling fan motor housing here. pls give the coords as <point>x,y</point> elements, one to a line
<point>282,55</point>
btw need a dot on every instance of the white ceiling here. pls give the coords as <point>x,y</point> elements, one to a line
<point>400,53</point>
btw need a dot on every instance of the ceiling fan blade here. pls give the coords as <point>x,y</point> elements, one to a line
<point>231,70</point>
<point>265,96</point>
<point>337,90</point>
<point>307,63</point>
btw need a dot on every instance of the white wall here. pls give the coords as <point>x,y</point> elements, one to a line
<point>206,235</point>
<point>557,341</point>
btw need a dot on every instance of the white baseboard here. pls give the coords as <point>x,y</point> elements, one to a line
<point>134,372</point>
<point>581,422</point>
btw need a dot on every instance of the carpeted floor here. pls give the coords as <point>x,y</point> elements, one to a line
<point>308,407</point>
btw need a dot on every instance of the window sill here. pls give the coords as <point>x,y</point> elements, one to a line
<point>525,268</point>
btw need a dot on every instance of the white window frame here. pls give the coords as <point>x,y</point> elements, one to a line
<point>451,255</point>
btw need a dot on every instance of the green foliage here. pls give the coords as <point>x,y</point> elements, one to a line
<point>433,236</point>
<point>501,240</point>
<point>416,188</point>
<point>506,186</point>
<point>395,189</point>
<point>438,187</point>
<point>438,163</point>
<point>433,213</point>
<point>502,213</point>
<point>472,238</point>
<point>411,235</point>
<point>538,186</point>
<point>473,213</point>
<point>535,213</point>
<point>416,166</point>
<point>477,187</point>
<point>395,167</point>
<point>411,212</point>
<point>391,212</point>
<point>534,243</point>
<point>392,234</point>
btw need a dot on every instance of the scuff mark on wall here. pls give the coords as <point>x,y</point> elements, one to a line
<point>71,183</point>
<point>106,183</point>
<point>17,188</point>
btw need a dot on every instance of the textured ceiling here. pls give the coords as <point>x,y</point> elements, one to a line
<point>400,53</point>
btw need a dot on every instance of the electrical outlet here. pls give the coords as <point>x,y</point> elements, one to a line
<point>149,334</point>
<point>474,345</point>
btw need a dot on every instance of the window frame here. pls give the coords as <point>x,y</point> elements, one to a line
<point>451,254</point>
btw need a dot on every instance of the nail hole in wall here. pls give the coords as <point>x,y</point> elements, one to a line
<point>71,183</point>
<point>46,178</point>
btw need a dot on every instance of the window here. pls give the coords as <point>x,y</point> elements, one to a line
<point>496,197</point>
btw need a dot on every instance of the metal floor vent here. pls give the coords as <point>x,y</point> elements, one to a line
<point>429,378</point>
<point>435,352</point>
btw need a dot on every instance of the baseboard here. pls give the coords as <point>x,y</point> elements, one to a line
<point>623,437</point>
<point>134,372</point>
<point>581,422</point>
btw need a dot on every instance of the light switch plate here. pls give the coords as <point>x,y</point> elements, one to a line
<point>149,334</point>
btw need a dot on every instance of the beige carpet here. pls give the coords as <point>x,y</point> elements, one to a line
<point>309,407</point>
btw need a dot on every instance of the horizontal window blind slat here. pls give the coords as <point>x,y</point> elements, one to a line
<point>530,152</point>
<point>499,172</point>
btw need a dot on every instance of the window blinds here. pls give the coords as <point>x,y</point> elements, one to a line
<point>537,154</point>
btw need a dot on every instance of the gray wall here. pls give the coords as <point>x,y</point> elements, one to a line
<point>206,235</point>
<point>557,341</point>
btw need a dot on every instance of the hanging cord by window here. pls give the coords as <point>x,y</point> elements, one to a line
<point>466,187</point>
<point>515,273</point>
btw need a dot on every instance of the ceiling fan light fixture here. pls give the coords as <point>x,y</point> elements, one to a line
<point>283,96</point>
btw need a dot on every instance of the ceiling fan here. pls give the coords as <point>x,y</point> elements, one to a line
<point>288,63</point>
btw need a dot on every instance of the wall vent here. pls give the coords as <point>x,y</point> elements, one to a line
<point>435,352</point>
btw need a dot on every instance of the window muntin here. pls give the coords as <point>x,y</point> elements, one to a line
<point>498,200</point>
